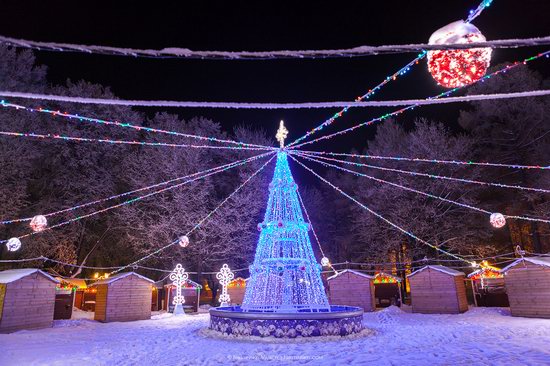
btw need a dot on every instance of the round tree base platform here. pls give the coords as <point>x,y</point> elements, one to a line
<point>339,321</point>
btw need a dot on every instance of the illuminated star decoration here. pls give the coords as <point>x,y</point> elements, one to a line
<point>178,278</point>
<point>282,133</point>
<point>225,276</point>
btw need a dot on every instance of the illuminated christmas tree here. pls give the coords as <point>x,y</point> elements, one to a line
<point>285,277</point>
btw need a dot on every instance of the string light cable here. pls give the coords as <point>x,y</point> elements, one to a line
<point>136,199</point>
<point>399,228</point>
<point>412,106</point>
<point>79,118</point>
<point>164,183</point>
<point>123,142</point>
<point>202,221</point>
<point>433,176</point>
<point>418,191</point>
<point>271,105</point>
<point>433,161</point>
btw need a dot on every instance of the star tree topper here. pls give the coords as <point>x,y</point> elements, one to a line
<point>282,132</point>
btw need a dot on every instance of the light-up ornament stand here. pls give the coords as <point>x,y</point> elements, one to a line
<point>285,296</point>
<point>225,276</point>
<point>178,278</point>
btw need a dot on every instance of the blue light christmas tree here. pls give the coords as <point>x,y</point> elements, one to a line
<point>285,277</point>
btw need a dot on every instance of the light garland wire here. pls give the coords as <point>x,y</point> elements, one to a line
<point>220,167</point>
<point>198,225</point>
<point>79,118</point>
<point>139,198</point>
<point>477,11</point>
<point>371,92</point>
<point>434,176</point>
<point>123,142</point>
<point>434,161</point>
<point>408,233</point>
<point>419,192</point>
<point>412,106</point>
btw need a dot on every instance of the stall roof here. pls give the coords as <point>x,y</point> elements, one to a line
<point>12,275</point>
<point>120,276</point>
<point>443,269</point>
<point>351,271</point>
<point>541,261</point>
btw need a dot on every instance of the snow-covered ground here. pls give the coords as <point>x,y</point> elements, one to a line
<point>482,336</point>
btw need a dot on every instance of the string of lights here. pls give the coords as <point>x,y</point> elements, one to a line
<point>412,106</point>
<point>73,208</point>
<point>372,91</point>
<point>199,224</point>
<point>419,192</point>
<point>433,176</point>
<point>361,98</point>
<point>78,118</point>
<point>399,228</point>
<point>123,142</point>
<point>434,161</point>
<point>136,199</point>
<point>477,11</point>
<point>310,223</point>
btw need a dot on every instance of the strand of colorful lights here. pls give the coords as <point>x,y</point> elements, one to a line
<point>370,92</point>
<point>434,161</point>
<point>408,233</point>
<point>79,118</point>
<point>434,176</point>
<point>310,223</point>
<point>477,11</point>
<point>412,106</point>
<point>198,225</point>
<point>419,192</point>
<point>122,142</point>
<point>139,198</point>
<point>220,167</point>
<point>361,98</point>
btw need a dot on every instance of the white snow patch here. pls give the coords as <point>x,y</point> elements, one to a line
<point>481,336</point>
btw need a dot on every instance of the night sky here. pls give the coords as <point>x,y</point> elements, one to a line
<point>265,26</point>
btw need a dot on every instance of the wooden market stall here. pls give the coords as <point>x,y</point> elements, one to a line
<point>27,299</point>
<point>191,291</point>
<point>488,286</point>
<point>387,290</point>
<point>528,285</point>
<point>123,297</point>
<point>236,290</point>
<point>438,289</point>
<point>352,288</point>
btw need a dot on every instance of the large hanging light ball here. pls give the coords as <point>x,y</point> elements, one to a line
<point>39,223</point>
<point>497,220</point>
<point>455,68</point>
<point>183,241</point>
<point>13,244</point>
<point>325,262</point>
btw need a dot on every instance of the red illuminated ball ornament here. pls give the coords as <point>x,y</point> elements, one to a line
<point>455,68</point>
<point>497,220</point>
<point>38,223</point>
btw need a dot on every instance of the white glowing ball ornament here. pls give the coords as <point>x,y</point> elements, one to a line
<point>13,244</point>
<point>497,220</point>
<point>456,68</point>
<point>39,223</point>
<point>183,241</point>
<point>325,262</point>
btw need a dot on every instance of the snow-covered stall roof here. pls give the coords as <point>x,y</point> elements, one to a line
<point>120,276</point>
<point>437,267</point>
<point>541,261</point>
<point>12,275</point>
<point>351,271</point>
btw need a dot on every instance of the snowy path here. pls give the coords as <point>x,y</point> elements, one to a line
<point>478,337</point>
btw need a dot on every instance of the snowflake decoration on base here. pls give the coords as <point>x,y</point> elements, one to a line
<point>178,278</point>
<point>225,276</point>
<point>455,68</point>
